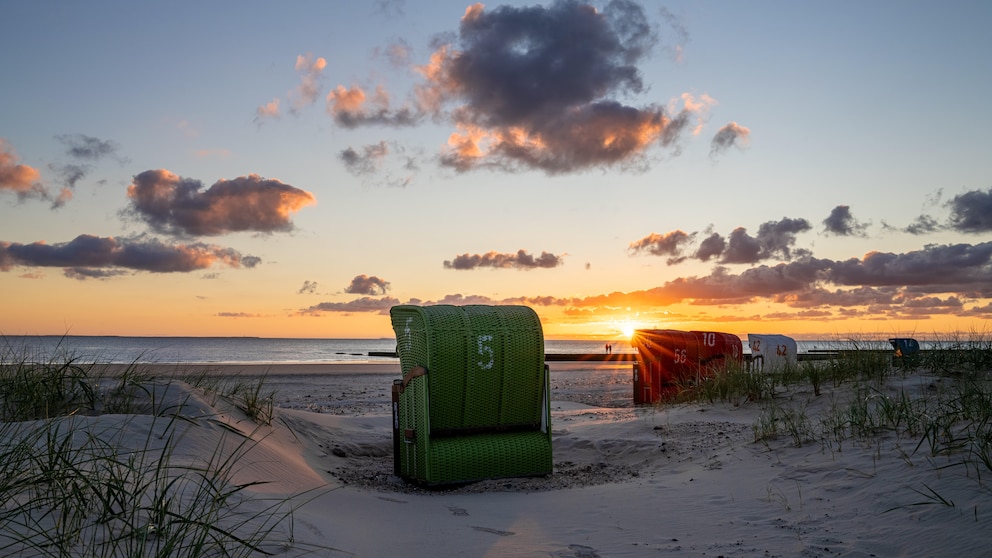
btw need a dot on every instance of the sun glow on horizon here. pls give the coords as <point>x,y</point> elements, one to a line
<point>627,328</point>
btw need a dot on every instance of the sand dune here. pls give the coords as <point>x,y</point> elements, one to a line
<point>681,480</point>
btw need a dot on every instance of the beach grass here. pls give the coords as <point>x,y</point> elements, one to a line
<point>73,484</point>
<point>945,412</point>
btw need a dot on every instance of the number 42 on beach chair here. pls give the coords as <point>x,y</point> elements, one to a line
<point>473,403</point>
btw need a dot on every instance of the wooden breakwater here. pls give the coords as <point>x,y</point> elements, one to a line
<point>632,357</point>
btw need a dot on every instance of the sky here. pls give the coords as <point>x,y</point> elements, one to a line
<point>296,169</point>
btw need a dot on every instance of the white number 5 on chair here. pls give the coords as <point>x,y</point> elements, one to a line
<point>486,352</point>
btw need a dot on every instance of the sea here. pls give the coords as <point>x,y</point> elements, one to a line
<point>261,350</point>
<point>229,350</point>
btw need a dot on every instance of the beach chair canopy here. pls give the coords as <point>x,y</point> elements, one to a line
<point>473,402</point>
<point>771,352</point>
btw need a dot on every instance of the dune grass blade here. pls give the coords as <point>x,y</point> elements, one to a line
<point>73,484</point>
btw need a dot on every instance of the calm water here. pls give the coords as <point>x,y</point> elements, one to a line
<point>234,350</point>
<point>239,350</point>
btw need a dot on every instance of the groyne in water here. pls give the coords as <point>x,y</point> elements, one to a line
<point>632,357</point>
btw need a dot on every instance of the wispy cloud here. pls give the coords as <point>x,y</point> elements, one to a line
<point>308,91</point>
<point>303,95</point>
<point>677,39</point>
<point>238,315</point>
<point>365,160</point>
<point>86,151</point>
<point>309,287</point>
<point>88,148</point>
<point>268,110</point>
<point>731,135</point>
<point>175,205</point>
<point>389,8</point>
<point>520,260</point>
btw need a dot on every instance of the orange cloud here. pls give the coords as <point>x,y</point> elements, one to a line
<point>342,99</point>
<point>308,91</point>
<point>172,204</point>
<point>350,107</point>
<point>268,110</point>
<point>15,177</point>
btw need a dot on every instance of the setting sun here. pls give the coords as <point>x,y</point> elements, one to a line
<point>627,328</point>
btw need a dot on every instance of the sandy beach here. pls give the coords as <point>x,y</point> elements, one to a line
<point>656,480</point>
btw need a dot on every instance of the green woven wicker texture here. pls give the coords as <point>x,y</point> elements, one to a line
<point>481,411</point>
<point>413,409</point>
<point>485,362</point>
<point>479,457</point>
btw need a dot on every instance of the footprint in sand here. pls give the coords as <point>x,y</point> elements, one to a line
<point>578,551</point>
<point>494,531</point>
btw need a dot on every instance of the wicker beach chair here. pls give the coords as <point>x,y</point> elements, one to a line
<point>473,403</point>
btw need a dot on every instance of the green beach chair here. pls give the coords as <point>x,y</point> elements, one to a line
<point>473,403</point>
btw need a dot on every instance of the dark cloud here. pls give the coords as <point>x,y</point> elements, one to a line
<point>84,273</point>
<point>861,296</point>
<point>950,265</point>
<point>778,237</point>
<point>775,239</point>
<point>88,255</point>
<point>363,284</point>
<point>934,269</point>
<point>533,88</point>
<point>842,223</point>
<point>711,247</point>
<point>520,260</point>
<point>88,148</point>
<point>524,93</point>
<point>971,212</point>
<point>668,244</point>
<point>936,280</point>
<point>984,312</point>
<point>309,287</point>
<point>741,248</point>
<point>731,135</point>
<point>174,205</point>
<point>250,261</point>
